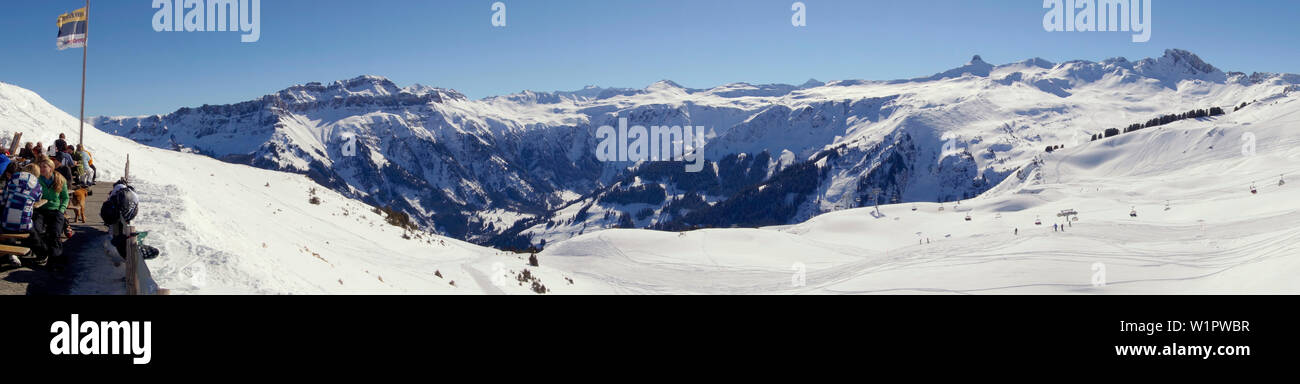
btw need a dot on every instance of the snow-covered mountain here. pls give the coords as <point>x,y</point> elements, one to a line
<point>426,151</point>
<point>520,169</point>
<point>229,228</point>
<point>1163,210</point>
<point>233,229</point>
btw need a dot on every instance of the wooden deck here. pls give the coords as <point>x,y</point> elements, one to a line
<point>90,268</point>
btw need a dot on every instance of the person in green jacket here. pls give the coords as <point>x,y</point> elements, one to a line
<point>47,219</point>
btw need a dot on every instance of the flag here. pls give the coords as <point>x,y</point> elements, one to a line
<point>72,29</point>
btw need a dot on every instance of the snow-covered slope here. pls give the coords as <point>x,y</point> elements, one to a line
<point>1198,228</point>
<point>942,138</point>
<point>226,228</point>
<point>520,169</point>
<point>234,228</point>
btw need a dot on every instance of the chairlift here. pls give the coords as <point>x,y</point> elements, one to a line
<point>1038,221</point>
<point>1281,180</point>
<point>1167,207</point>
<point>1133,213</point>
<point>968,217</point>
<point>913,207</point>
<point>1253,190</point>
<point>940,208</point>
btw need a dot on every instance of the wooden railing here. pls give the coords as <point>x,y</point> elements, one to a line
<point>138,279</point>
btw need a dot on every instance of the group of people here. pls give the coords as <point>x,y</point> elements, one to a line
<point>37,181</point>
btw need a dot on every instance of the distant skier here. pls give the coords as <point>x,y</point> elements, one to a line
<point>1055,227</point>
<point>1017,232</point>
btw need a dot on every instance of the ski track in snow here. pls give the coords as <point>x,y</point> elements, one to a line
<point>1215,238</point>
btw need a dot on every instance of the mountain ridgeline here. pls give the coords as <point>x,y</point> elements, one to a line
<point>520,170</point>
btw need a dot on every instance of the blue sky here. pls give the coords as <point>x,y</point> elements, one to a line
<point>567,44</point>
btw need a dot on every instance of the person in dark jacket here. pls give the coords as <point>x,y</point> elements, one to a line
<point>61,144</point>
<point>64,163</point>
<point>27,152</point>
<point>65,158</point>
<point>120,206</point>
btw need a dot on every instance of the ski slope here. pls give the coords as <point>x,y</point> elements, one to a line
<point>1215,238</point>
<point>234,229</point>
<point>949,136</point>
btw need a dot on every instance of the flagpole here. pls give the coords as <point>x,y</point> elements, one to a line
<point>81,134</point>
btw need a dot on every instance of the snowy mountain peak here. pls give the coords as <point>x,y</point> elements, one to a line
<point>812,83</point>
<point>665,85</point>
<point>1177,65</point>
<point>589,92</point>
<point>370,78</point>
<point>369,84</point>
<point>525,97</point>
<point>976,67</point>
<point>1183,58</point>
<point>1039,62</point>
<point>420,89</point>
<point>1119,61</point>
<point>365,86</point>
